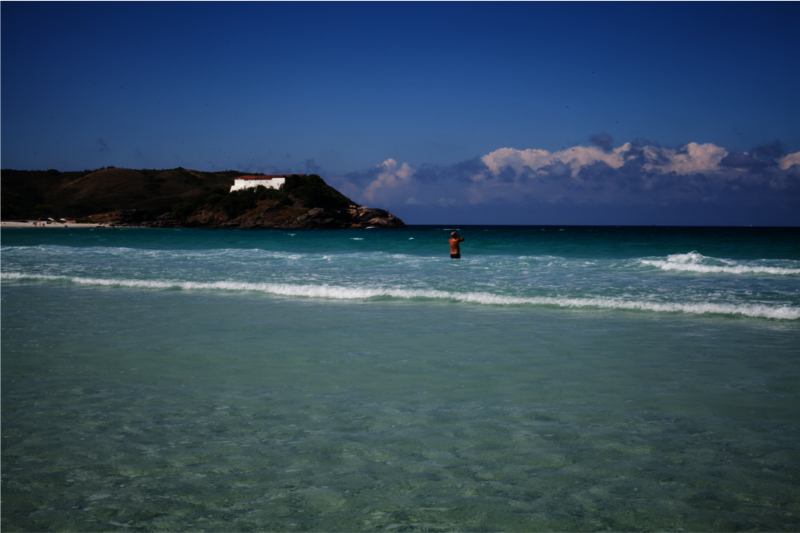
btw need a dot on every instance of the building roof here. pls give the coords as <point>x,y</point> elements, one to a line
<point>269,177</point>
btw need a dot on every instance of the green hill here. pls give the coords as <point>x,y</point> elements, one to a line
<point>181,197</point>
<point>34,194</point>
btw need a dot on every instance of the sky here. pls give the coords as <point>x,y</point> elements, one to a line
<point>675,113</point>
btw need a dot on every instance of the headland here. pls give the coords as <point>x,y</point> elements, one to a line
<point>178,197</point>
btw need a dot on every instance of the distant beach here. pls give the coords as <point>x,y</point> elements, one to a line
<point>38,224</point>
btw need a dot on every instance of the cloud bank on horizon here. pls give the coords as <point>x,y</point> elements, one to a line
<point>631,174</point>
<point>484,121</point>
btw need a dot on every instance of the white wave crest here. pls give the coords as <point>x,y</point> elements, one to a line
<point>156,254</point>
<point>361,293</point>
<point>695,262</point>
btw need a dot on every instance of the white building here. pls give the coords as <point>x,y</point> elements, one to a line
<point>270,182</point>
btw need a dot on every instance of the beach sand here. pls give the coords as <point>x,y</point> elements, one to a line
<point>29,224</point>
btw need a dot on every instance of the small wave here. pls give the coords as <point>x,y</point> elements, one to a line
<point>695,262</point>
<point>362,293</point>
<point>155,254</point>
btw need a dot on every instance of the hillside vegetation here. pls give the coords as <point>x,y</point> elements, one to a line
<point>181,197</point>
<point>35,194</point>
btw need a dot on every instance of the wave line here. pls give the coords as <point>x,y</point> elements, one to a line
<point>360,293</point>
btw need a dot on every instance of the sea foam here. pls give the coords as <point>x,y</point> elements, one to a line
<point>695,262</point>
<point>784,312</point>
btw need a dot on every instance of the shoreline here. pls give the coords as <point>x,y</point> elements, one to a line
<point>156,225</point>
<point>30,224</point>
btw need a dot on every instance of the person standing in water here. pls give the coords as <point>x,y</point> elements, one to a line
<point>455,246</point>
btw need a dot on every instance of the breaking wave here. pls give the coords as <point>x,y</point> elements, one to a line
<point>362,293</point>
<point>695,262</point>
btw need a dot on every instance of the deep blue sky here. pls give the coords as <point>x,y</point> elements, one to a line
<point>603,113</point>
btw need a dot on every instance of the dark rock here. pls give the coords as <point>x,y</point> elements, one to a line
<point>131,216</point>
<point>353,217</point>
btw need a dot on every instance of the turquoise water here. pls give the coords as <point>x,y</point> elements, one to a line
<point>555,378</point>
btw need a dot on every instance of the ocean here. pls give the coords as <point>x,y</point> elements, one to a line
<point>556,378</point>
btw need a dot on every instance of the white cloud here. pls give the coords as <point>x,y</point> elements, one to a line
<point>571,159</point>
<point>787,161</point>
<point>693,158</point>
<point>579,174</point>
<point>390,182</point>
<point>516,159</point>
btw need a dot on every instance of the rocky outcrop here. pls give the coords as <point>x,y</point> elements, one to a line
<point>353,217</point>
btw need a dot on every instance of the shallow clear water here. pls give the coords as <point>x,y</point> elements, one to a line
<point>213,380</point>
